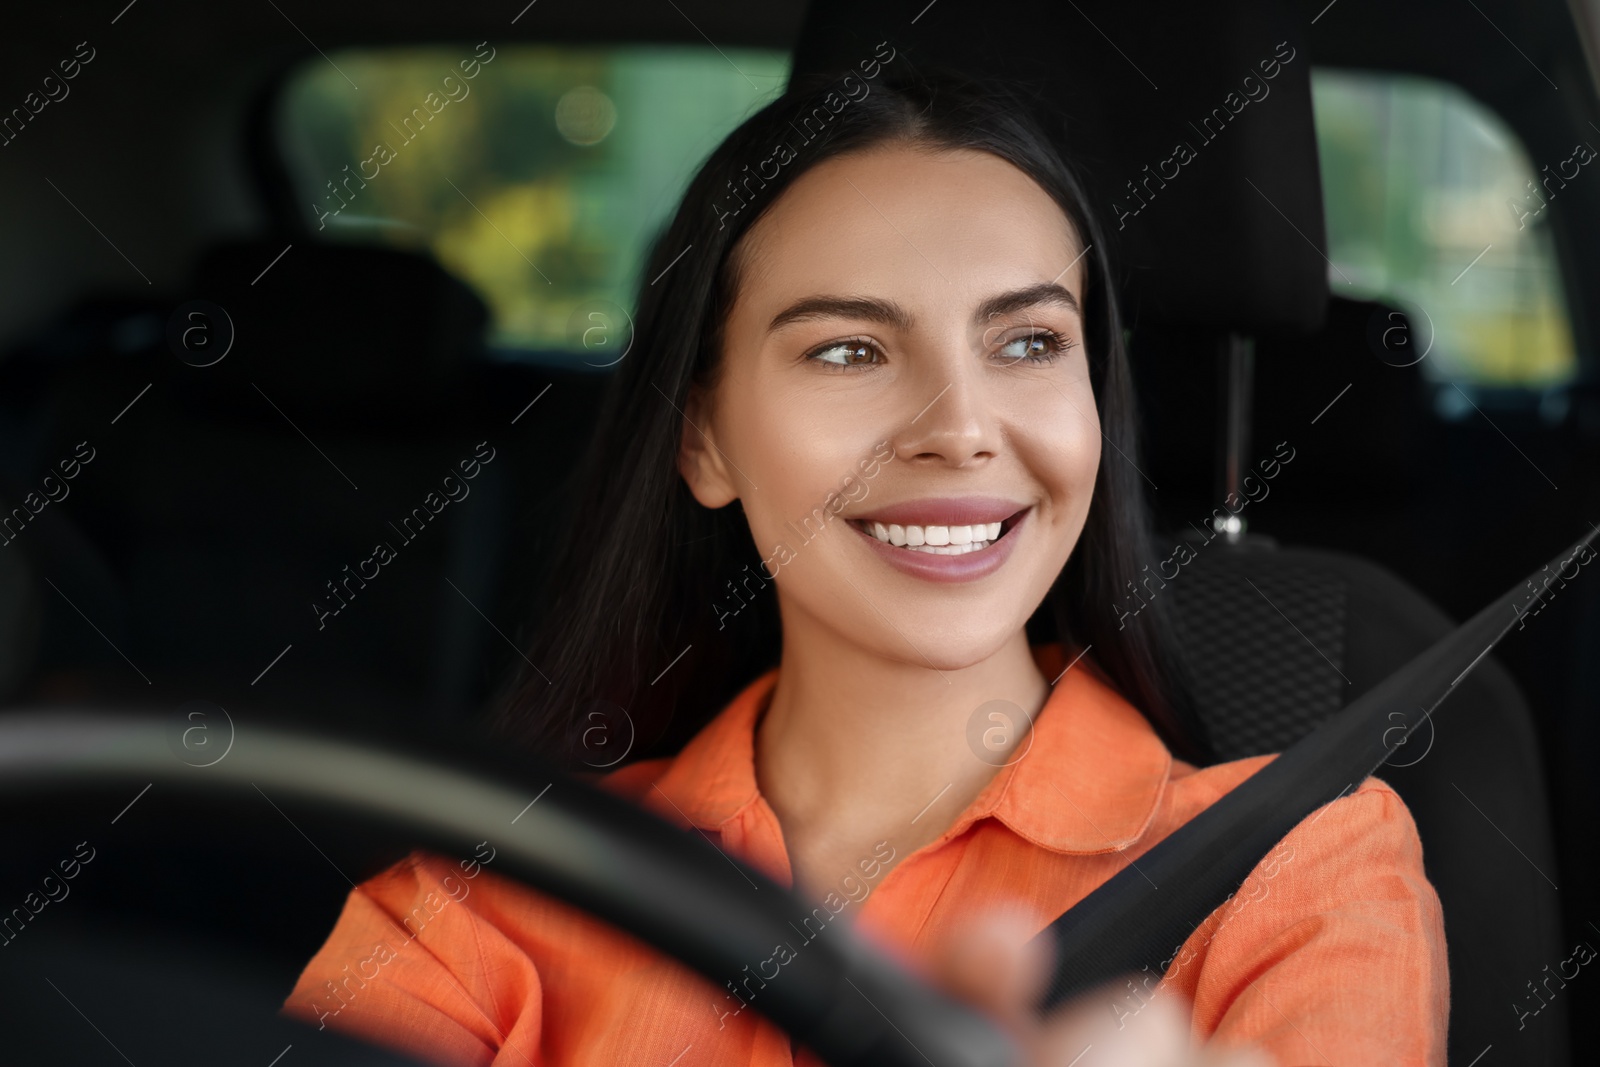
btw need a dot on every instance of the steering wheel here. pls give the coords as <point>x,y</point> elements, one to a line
<point>574,841</point>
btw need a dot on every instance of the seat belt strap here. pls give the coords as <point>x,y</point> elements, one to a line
<point>1140,917</point>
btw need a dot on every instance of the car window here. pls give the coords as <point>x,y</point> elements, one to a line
<point>539,175</point>
<point>1433,205</point>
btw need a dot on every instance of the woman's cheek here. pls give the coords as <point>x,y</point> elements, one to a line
<point>1081,421</point>
<point>1062,451</point>
<point>1062,433</point>
<point>1070,483</point>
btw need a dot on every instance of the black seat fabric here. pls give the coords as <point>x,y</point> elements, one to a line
<point>1281,638</point>
<point>1261,692</point>
<point>371,335</point>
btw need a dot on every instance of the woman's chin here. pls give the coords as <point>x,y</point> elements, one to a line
<point>946,648</point>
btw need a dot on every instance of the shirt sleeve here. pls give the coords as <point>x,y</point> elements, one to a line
<point>1333,950</point>
<point>406,968</point>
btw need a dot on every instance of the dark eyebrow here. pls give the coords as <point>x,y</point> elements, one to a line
<point>1032,296</point>
<point>892,314</point>
<point>843,307</point>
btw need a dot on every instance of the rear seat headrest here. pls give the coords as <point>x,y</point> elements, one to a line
<point>341,320</point>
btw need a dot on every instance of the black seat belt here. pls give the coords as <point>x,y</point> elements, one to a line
<point>1140,917</point>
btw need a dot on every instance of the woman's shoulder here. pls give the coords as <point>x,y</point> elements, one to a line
<point>1342,902</point>
<point>1353,857</point>
<point>1370,819</point>
<point>1192,789</point>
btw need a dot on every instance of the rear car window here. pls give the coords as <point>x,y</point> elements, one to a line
<point>539,175</point>
<point>1433,205</point>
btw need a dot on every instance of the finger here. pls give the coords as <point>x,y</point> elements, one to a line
<point>994,962</point>
<point>1088,1033</point>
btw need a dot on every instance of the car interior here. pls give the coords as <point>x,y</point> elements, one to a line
<point>1358,294</point>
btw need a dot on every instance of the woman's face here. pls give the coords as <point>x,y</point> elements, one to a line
<point>925,302</point>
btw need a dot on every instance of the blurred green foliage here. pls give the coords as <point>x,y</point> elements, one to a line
<point>542,186</point>
<point>1418,180</point>
<point>545,183</point>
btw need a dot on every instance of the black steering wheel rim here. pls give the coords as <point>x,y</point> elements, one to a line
<point>556,834</point>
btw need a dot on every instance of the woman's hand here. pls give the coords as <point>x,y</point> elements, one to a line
<point>996,964</point>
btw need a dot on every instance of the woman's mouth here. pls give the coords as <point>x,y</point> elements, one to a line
<point>946,540</point>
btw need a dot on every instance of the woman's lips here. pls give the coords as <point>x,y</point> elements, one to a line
<point>944,565</point>
<point>950,511</point>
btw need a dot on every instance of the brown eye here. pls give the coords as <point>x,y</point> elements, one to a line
<point>845,354</point>
<point>1034,347</point>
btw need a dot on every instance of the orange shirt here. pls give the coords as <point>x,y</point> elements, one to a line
<point>1332,952</point>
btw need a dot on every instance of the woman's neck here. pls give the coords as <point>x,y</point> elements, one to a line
<point>857,748</point>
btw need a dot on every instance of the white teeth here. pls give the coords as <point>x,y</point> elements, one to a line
<point>940,540</point>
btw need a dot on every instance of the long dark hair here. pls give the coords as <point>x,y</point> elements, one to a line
<point>644,563</point>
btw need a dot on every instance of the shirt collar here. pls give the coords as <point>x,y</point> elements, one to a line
<point>1089,781</point>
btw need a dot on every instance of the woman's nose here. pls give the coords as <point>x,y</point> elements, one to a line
<point>949,417</point>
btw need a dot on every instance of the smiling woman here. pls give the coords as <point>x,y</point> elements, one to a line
<point>789,333</point>
<point>925,278</point>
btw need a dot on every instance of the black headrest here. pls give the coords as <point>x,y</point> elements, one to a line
<point>341,321</point>
<point>1191,125</point>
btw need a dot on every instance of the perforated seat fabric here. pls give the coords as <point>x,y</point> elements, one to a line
<point>1328,628</point>
<point>1265,661</point>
